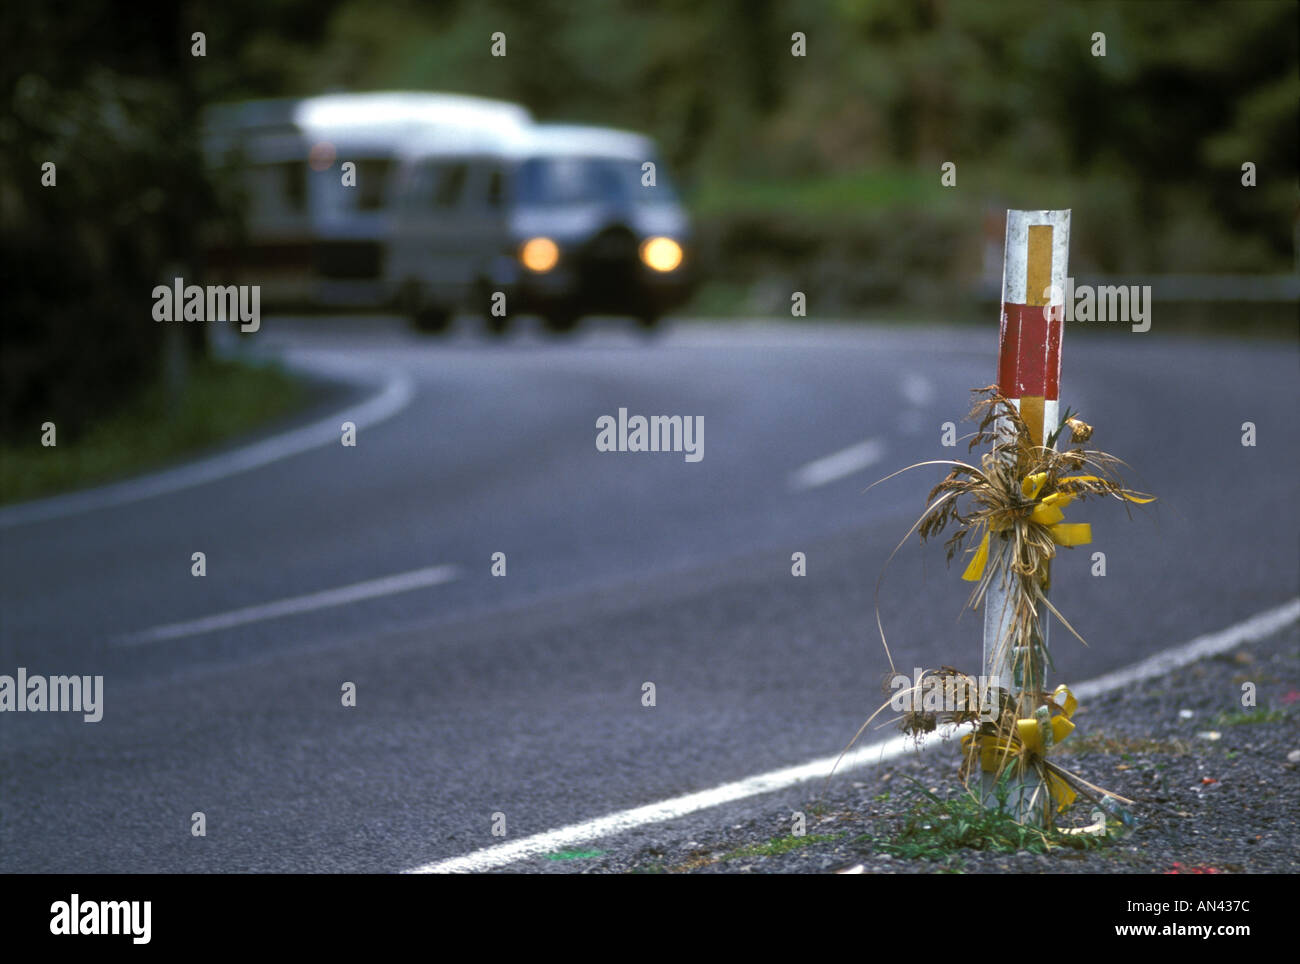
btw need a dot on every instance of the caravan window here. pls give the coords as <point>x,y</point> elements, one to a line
<point>433,184</point>
<point>275,190</point>
<point>372,182</point>
<point>369,194</point>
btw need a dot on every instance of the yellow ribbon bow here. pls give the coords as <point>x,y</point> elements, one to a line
<point>997,752</point>
<point>1046,513</point>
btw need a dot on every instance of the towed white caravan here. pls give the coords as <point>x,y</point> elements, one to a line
<point>561,220</point>
<point>316,232</point>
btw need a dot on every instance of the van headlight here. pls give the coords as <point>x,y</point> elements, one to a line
<point>661,254</point>
<point>539,254</point>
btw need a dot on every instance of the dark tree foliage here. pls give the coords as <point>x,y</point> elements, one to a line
<point>111,95</point>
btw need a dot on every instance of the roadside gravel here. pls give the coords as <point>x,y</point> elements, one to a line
<point>1218,786</point>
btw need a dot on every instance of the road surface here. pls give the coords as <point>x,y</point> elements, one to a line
<point>522,695</point>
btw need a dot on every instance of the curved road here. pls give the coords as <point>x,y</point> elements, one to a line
<point>523,695</point>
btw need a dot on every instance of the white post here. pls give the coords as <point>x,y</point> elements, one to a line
<point>1029,375</point>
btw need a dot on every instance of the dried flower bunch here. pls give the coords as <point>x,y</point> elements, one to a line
<point>1008,512</point>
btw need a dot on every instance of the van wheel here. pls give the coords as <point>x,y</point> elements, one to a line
<point>423,315</point>
<point>647,321</point>
<point>496,325</point>
<point>431,319</point>
<point>560,321</point>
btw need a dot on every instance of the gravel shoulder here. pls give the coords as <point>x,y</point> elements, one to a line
<point>1216,785</point>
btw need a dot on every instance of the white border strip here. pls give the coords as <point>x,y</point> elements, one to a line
<point>1257,627</point>
<point>395,394</point>
<point>1015,267</point>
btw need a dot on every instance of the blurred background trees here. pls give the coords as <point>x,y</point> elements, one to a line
<point>1148,140</point>
<point>111,97</point>
<point>818,173</point>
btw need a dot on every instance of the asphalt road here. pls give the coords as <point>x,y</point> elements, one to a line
<point>523,695</point>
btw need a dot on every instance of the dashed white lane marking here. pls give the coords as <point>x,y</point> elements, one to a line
<point>837,465</point>
<point>370,589</point>
<point>916,390</point>
<point>1257,627</point>
<point>394,396</point>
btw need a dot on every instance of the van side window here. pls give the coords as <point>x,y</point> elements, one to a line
<point>419,190</point>
<point>450,184</point>
<point>496,188</point>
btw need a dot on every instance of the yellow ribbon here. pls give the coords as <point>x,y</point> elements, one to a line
<point>997,752</point>
<point>1046,513</point>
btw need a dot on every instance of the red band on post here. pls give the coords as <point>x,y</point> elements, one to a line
<point>1029,352</point>
<point>1052,373</point>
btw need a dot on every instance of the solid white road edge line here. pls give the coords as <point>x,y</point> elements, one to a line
<point>357,591</point>
<point>1257,627</point>
<point>837,465</point>
<point>395,395</point>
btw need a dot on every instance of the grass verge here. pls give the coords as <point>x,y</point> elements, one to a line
<point>222,399</point>
<point>940,829</point>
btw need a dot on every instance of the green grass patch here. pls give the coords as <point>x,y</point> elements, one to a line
<point>940,829</point>
<point>222,399</point>
<point>719,299</point>
<point>780,845</point>
<point>1249,717</point>
<point>834,195</point>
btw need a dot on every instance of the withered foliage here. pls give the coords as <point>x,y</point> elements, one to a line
<point>1010,510</point>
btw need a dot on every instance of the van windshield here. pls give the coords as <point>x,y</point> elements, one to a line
<point>584,180</point>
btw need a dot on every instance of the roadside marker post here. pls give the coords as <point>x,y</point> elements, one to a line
<point>1029,375</point>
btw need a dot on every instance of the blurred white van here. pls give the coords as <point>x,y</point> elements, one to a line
<point>307,237</point>
<point>561,220</point>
